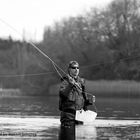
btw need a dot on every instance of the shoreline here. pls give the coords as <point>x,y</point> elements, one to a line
<point>103,88</point>
<point>100,88</point>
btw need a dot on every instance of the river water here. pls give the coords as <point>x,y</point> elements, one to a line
<point>37,118</point>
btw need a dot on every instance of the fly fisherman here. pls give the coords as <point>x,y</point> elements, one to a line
<point>72,95</point>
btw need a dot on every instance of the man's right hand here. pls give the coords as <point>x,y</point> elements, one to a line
<point>93,99</point>
<point>71,80</point>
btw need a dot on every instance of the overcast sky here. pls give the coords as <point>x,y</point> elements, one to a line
<point>29,17</point>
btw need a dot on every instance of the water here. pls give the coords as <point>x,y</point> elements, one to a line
<point>38,118</point>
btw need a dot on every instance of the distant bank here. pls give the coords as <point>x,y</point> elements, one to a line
<point>10,92</point>
<point>103,88</point>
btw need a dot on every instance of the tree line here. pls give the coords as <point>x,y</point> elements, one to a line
<point>105,42</point>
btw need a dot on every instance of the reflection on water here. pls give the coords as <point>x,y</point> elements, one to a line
<point>33,127</point>
<point>109,130</point>
<point>67,132</point>
<point>87,132</point>
<point>48,128</point>
<point>38,118</point>
<point>119,133</point>
<point>118,108</point>
<point>108,108</point>
<point>28,106</point>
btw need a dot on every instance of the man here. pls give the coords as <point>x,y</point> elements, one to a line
<point>72,95</point>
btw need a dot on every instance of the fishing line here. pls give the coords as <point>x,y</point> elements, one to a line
<point>57,71</point>
<point>111,62</point>
<point>32,44</point>
<point>22,75</point>
<point>56,67</point>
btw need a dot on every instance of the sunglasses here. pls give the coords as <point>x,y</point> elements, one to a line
<point>74,67</point>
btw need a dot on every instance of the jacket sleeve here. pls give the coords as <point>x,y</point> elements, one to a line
<point>65,88</point>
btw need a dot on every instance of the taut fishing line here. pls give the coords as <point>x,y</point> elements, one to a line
<point>56,67</point>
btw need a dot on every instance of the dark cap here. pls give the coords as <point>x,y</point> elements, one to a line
<point>73,63</point>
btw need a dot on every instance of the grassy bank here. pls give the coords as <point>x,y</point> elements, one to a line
<point>108,88</point>
<point>114,88</point>
<point>10,92</point>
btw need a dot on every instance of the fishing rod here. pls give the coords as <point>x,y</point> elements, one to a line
<point>56,67</point>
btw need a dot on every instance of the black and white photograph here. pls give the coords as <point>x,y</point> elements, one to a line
<point>69,69</point>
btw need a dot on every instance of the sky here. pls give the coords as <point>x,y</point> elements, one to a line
<point>28,18</point>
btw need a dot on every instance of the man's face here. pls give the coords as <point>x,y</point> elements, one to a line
<point>74,70</point>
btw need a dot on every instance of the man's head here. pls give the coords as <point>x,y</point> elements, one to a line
<point>73,68</point>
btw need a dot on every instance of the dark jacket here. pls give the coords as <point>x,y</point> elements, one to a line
<point>71,96</point>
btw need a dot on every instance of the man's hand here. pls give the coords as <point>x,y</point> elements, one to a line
<point>93,99</point>
<point>71,80</point>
